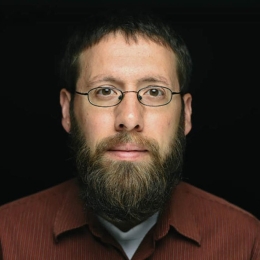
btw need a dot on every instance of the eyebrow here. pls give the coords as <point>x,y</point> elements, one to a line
<point>156,79</point>
<point>148,79</point>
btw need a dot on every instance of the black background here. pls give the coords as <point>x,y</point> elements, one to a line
<point>223,147</point>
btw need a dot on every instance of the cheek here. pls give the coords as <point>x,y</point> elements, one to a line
<point>158,128</point>
<point>96,127</point>
<point>167,132</point>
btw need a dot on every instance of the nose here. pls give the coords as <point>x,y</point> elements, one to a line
<point>129,113</point>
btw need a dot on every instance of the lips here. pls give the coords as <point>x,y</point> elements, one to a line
<point>128,148</point>
<point>128,151</point>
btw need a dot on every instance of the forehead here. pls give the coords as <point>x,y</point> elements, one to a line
<point>117,55</point>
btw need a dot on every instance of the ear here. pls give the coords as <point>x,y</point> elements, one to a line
<point>187,99</point>
<point>65,98</point>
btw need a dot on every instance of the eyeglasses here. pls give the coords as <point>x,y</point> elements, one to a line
<point>153,96</point>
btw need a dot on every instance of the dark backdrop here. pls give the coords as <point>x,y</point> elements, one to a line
<point>223,147</point>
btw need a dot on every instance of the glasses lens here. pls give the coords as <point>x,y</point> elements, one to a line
<point>104,96</point>
<point>155,96</point>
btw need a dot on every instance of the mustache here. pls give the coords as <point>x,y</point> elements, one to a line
<point>149,144</point>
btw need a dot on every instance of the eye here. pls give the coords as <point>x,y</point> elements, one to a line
<point>154,91</point>
<point>106,91</point>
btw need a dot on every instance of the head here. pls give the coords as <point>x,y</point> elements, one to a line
<point>131,24</point>
<point>129,156</point>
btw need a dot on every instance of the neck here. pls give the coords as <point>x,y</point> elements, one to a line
<point>126,226</point>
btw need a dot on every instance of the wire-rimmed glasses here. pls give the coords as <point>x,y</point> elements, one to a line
<point>108,96</point>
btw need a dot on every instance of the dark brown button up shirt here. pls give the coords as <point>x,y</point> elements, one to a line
<point>196,225</point>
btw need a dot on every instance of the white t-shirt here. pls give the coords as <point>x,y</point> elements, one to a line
<point>131,239</point>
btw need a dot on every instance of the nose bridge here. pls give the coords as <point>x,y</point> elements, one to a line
<point>129,91</point>
<point>129,113</point>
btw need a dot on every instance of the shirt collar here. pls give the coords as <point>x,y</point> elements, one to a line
<point>179,214</point>
<point>70,214</point>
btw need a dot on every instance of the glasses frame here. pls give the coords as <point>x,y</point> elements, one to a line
<point>128,91</point>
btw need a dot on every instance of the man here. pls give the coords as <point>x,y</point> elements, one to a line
<point>126,106</point>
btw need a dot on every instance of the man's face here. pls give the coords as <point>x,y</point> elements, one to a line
<point>128,146</point>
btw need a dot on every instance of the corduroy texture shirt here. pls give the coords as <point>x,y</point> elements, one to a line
<point>196,225</point>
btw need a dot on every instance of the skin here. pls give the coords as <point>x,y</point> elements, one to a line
<point>127,66</point>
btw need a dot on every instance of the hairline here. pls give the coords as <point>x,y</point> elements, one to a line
<point>129,38</point>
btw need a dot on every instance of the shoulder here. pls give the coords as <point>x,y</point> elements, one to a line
<point>215,208</point>
<point>50,197</point>
<point>213,223</point>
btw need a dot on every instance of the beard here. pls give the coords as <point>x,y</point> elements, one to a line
<point>125,191</point>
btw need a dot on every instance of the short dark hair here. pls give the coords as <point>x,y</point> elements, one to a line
<point>131,24</point>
